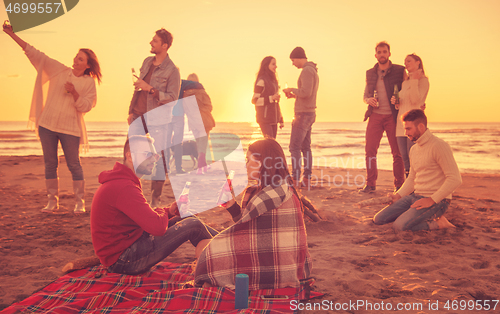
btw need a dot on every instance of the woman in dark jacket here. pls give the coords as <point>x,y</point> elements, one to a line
<point>266,98</point>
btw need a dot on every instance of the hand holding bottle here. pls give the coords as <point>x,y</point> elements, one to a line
<point>373,101</point>
<point>393,101</point>
<point>288,92</point>
<point>173,210</point>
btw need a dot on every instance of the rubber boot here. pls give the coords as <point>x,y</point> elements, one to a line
<point>53,195</point>
<point>156,188</point>
<point>79,189</point>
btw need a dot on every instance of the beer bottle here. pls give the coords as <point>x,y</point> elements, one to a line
<point>225,194</point>
<point>396,94</point>
<point>375,95</point>
<point>183,202</point>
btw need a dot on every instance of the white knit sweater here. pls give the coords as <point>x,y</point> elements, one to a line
<point>52,107</point>
<point>433,170</point>
<point>412,96</point>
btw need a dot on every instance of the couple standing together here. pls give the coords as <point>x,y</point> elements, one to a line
<point>420,201</point>
<point>266,100</point>
<point>390,92</point>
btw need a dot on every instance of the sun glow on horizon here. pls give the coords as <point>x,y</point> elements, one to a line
<point>224,42</point>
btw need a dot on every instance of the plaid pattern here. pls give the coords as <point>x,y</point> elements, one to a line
<point>268,243</point>
<point>164,289</point>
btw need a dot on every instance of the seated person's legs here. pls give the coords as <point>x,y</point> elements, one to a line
<point>415,220</point>
<point>391,212</point>
<point>148,250</point>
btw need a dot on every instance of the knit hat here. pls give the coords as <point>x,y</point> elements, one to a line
<point>298,53</point>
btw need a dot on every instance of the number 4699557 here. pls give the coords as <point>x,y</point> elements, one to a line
<point>33,8</point>
<point>470,305</point>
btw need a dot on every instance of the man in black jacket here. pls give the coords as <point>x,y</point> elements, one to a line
<point>382,115</point>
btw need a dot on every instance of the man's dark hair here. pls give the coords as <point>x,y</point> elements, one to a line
<point>416,116</point>
<point>126,147</point>
<point>165,36</point>
<point>383,43</point>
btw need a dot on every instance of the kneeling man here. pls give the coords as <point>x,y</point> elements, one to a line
<point>130,237</point>
<point>426,194</point>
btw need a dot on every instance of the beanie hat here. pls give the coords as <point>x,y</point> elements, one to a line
<point>298,53</point>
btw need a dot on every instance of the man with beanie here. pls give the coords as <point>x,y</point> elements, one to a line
<point>382,78</point>
<point>304,116</point>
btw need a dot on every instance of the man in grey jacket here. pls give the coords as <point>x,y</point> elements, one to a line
<point>304,116</point>
<point>157,88</point>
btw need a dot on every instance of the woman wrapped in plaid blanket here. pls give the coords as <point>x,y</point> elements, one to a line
<point>268,242</point>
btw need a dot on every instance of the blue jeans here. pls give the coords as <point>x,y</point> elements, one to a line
<point>175,135</point>
<point>71,148</point>
<point>148,250</point>
<point>407,218</point>
<point>404,144</point>
<point>300,142</point>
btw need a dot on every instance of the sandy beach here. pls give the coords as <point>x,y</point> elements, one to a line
<point>354,260</point>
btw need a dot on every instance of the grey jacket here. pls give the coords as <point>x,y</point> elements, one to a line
<point>307,90</point>
<point>167,80</point>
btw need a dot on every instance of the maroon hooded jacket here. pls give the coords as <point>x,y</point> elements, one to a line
<point>120,214</point>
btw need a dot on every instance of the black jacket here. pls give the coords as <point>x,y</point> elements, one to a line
<point>394,76</point>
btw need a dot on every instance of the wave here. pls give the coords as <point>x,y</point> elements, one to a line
<point>339,131</point>
<point>462,131</point>
<point>328,146</point>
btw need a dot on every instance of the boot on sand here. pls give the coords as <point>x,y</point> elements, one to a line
<point>79,189</point>
<point>53,195</point>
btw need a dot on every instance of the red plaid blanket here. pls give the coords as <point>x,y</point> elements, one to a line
<point>164,289</point>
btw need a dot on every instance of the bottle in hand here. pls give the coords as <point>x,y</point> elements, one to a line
<point>396,94</point>
<point>183,202</point>
<point>225,194</point>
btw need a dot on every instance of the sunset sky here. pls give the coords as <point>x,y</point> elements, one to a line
<point>224,41</point>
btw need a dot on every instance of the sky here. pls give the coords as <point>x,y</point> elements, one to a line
<point>224,41</point>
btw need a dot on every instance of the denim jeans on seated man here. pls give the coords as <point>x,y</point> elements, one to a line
<point>148,250</point>
<point>407,218</point>
<point>300,142</point>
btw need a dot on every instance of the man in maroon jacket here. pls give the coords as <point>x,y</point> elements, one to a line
<point>129,237</point>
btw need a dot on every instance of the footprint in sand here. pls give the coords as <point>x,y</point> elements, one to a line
<point>481,265</point>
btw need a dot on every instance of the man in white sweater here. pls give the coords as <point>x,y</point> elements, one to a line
<point>426,194</point>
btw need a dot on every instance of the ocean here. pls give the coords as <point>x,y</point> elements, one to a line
<point>476,146</point>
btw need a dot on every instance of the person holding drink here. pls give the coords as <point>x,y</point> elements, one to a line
<point>382,116</point>
<point>412,96</point>
<point>259,243</point>
<point>57,113</point>
<point>266,98</point>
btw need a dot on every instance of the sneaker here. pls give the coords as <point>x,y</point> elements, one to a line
<point>367,189</point>
<point>180,171</point>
